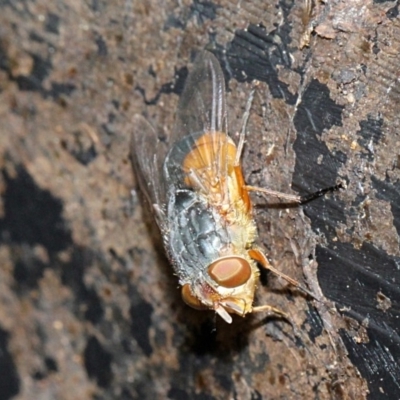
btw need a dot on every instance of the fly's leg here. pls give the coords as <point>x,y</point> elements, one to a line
<point>275,311</point>
<point>292,197</point>
<point>271,310</point>
<point>246,115</point>
<point>320,193</point>
<point>260,257</point>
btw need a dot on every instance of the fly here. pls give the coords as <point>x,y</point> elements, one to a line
<point>195,184</point>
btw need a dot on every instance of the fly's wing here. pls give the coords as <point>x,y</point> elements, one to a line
<point>201,148</point>
<point>148,154</point>
<point>202,103</point>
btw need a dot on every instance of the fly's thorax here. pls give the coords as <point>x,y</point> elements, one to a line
<point>242,227</point>
<point>196,233</point>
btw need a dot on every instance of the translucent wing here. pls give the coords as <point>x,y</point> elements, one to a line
<point>202,104</point>
<point>201,150</point>
<point>148,154</point>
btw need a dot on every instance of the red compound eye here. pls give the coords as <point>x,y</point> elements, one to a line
<point>191,300</point>
<point>230,272</point>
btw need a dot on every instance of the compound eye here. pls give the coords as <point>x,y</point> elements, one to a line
<point>230,272</point>
<point>191,300</point>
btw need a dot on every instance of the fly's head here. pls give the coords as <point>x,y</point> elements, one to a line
<point>228,288</point>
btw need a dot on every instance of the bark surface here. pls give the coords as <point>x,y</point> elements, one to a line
<point>89,308</point>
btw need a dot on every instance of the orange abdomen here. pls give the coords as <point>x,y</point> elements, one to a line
<point>210,168</point>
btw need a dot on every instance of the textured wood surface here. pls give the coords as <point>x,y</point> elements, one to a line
<point>89,308</point>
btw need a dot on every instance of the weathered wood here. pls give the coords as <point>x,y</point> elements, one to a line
<point>88,305</point>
